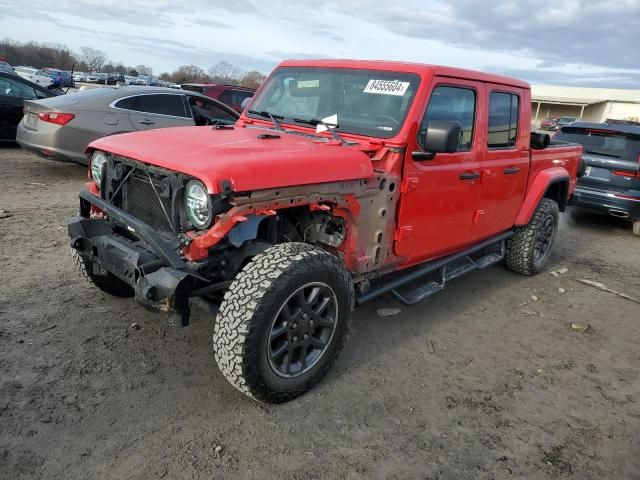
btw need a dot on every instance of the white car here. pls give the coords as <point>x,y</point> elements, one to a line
<point>34,75</point>
<point>79,77</point>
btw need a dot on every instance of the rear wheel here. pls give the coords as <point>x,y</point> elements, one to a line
<point>283,321</point>
<point>528,250</point>
<point>107,283</point>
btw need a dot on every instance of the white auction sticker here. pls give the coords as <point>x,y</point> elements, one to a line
<point>387,87</point>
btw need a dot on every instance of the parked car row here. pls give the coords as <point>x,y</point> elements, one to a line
<point>34,75</point>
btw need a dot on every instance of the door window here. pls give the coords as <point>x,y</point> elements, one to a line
<point>455,104</point>
<point>160,104</point>
<point>204,109</point>
<point>12,88</point>
<point>503,120</point>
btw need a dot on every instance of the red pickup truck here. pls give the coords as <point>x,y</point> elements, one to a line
<point>342,181</point>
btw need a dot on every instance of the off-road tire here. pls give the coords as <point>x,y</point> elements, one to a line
<point>636,227</point>
<point>243,325</point>
<point>520,255</point>
<point>107,283</point>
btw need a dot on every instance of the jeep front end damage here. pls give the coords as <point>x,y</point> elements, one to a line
<point>160,279</point>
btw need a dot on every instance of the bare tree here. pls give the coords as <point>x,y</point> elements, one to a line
<point>189,74</point>
<point>225,72</point>
<point>37,54</point>
<point>94,59</point>
<point>144,70</point>
<point>252,79</point>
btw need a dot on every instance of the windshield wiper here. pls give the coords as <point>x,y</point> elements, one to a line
<point>602,153</point>
<point>270,116</point>
<point>315,122</point>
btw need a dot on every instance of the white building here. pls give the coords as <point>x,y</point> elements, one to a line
<point>587,104</point>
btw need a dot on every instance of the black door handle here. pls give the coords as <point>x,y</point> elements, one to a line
<point>511,170</point>
<point>469,176</point>
<point>146,122</point>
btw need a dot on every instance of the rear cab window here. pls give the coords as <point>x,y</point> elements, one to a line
<point>159,104</point>
<point>452,103</point>
<point>504,109</point>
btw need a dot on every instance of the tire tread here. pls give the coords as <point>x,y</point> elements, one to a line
<point>234,327</point>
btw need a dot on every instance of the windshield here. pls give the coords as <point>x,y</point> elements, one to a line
<point>366,102</point>
<point>603,142</point>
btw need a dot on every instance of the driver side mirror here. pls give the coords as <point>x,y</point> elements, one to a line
<point>442,136</point>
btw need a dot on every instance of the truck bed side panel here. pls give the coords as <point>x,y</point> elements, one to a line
<point>555,163</point>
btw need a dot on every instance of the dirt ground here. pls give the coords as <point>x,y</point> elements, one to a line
<point>470,384</point>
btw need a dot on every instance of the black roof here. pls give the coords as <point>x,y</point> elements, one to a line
<point>633,129</point>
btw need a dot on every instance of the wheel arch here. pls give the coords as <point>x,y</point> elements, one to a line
<point>552,183</point>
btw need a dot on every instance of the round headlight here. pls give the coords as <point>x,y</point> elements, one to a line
<point>97,162</point>
<point>198,204</point>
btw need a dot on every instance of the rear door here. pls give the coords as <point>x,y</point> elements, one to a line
<point>505,163</point>
<point>612,157</point>
<point>439,195</point>
<point>155,110</point>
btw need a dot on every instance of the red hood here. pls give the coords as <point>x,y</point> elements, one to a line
<point>240,156</point>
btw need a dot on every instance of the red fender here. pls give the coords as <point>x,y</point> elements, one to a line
<point>537,189</point>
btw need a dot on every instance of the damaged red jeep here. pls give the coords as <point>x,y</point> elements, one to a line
<point>341,182</point>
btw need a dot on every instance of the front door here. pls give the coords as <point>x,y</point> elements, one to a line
<point>438,203</point>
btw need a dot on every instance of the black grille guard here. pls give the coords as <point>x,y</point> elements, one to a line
<point>156,243</point>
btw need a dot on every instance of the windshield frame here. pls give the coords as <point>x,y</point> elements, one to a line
<point>415,80</point>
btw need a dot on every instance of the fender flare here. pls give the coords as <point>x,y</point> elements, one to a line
<point>538,189</point>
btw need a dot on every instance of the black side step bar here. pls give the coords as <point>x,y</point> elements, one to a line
<point>464,263</point>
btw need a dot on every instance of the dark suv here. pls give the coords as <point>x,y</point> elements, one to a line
<point>611,181</point>
<point>231,95</point>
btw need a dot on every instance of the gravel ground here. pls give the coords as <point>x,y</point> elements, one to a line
<point>481,381</point>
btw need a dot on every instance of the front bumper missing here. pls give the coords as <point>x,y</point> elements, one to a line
<point>161,280</point>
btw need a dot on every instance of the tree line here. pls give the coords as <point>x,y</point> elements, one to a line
<point>88,59</point>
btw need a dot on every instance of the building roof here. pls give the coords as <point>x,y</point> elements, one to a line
<point>583,95</point>
<point>566,100</point>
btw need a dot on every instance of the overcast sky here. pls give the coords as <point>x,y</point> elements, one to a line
<point>584,43</point>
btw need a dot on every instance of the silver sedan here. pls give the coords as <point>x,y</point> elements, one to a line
<point>60,128</point>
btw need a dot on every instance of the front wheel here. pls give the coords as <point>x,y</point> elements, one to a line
<point>528,250</point>
<point>283,321</point>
